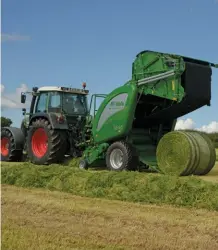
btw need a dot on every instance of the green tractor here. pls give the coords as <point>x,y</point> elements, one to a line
<point>126,129</point>
<point>52,129</point>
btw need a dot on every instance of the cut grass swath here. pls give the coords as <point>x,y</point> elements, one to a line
<point>126,186</point>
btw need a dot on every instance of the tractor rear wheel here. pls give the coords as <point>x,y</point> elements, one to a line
<point>8,147</point>
<point>121,156</point>
<point>44,144</point>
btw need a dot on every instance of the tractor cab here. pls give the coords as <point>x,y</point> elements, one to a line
<point>68,102</point>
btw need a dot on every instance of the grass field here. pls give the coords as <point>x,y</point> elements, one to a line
<point>44,219</point>
<point>212,176</point>
<point>40,219</point>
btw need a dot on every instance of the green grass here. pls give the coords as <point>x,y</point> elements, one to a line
<point>126,186</point>
<point>217,154</point>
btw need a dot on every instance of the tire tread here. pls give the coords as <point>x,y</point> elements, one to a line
<point>57,139</point>
<point>130,155</point>
<point>14,155</point>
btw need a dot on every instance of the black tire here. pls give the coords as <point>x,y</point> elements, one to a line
<point>55,150</point>
<point>83,164</point>
<point>9,152</point>
<point>130,159</point>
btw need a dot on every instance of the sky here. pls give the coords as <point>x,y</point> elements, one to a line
<point>64,43</point>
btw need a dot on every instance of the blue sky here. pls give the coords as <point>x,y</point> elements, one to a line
<point>56,42</point>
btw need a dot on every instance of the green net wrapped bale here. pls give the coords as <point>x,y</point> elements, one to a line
<point>177,153</point>
<point>196,155</point>
<point>203,150</point>
<point>207,152</point>
<point>185,153</point>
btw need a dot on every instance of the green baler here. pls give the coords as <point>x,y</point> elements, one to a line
<point>133,118</point>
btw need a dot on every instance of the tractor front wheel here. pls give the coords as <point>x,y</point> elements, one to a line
<point>44,144</point>
<point>121,156</point>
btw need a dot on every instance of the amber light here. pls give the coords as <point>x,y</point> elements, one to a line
<point>84,85</point>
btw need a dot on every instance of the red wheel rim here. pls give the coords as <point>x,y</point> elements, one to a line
<point>5,142</point>
<point>39,142</point>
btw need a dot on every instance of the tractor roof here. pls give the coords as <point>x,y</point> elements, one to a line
<point>63,89</point>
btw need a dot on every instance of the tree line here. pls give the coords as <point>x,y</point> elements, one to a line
<point>6,122</point>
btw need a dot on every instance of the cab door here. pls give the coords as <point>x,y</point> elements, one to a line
<point>95,102</point>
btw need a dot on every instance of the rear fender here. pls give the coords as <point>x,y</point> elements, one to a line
<point>52,118</point>
<point>19,138</point>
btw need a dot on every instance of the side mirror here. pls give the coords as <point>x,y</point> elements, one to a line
<point>35,89</point>
<point>23,98</point>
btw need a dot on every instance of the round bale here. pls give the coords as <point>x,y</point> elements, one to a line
<point>176,153</point>
<point>207,153</point>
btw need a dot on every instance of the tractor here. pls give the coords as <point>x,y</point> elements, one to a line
<point>55,126</point>
<point>125,130</point>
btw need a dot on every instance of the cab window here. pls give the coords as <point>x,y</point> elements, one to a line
<point>74,104</point>
<point>54,104</point>
<point>41,105</point>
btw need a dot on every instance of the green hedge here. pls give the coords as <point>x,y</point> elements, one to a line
<point>126,186</point>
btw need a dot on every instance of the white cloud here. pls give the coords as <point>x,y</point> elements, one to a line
<point>2,87</point>
<point>13,37</point>
<point>12,100</point>
<point>185,124</point>
<point>190,124</point>
<point>210,128</point>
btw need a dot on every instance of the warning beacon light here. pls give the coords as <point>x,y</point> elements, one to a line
<point>84,85</point>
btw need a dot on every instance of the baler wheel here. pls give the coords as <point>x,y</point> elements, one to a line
<point>44,144</point>
<point>83,164</point>
<point>8,149</point>
<point>121,156</point>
